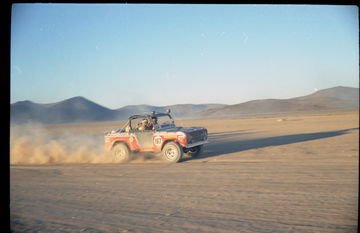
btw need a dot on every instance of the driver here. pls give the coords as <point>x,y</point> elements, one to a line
<point>155,122</point>
<point>142,125</point>
<point>151,124</point>
<point>145,125</point>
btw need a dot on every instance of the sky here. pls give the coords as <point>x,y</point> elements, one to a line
<point>164,54</point>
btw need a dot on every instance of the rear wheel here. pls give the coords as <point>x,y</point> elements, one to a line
<point>172,152</point>
<point>121,153</point>
<point>195,151</point>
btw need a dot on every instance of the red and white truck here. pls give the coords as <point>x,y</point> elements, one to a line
<point>155,132</point>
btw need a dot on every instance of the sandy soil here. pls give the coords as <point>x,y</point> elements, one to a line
<point>266,174</point>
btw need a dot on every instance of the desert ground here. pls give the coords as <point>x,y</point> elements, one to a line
<point>261,174</point>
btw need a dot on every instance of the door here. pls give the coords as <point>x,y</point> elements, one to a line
<point>145,138</point>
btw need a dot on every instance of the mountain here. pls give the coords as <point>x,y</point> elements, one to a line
<point>336,98</point>
<point>179,111</point>
<point>80,109</point>
<point>76,109</point>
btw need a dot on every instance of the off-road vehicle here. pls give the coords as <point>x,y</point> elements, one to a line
<point>155,132</point>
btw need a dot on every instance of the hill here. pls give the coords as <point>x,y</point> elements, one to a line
<point>80,109</point>
<point>336,98</point>
<point>76,109</point>
<point>179,111</point>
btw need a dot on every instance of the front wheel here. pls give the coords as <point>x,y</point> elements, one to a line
<point>121,153</point>
<point>172,152</point>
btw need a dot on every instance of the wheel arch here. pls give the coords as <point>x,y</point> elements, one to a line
<point>170,140</point>
<point>120,142</point>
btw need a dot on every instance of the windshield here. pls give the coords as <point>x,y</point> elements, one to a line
<point>164,122</point>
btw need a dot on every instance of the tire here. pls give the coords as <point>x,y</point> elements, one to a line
<point>121,153</point>
<point>172,152</point>
<point>195,151</point>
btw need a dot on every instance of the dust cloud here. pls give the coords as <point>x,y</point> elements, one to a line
<point>34,144</point>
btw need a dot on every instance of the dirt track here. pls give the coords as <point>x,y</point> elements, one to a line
<point>280,174</point>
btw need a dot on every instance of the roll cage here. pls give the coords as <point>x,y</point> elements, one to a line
<point>152,118</point>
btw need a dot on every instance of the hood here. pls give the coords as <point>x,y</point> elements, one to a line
<point>183,129</point>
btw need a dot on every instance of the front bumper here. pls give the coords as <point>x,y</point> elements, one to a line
<point>196,144</point>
